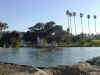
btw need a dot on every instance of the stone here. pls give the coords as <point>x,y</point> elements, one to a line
<point>83,66</point>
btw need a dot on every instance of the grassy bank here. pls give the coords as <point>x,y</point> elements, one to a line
<point>90,44</point>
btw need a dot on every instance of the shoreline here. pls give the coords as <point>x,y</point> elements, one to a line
<point>89,67</point>
<point>48,47</point>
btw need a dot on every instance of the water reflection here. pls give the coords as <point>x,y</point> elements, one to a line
<point>48,57</point>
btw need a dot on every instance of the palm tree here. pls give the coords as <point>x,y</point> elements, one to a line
<point>95,23</point>
<point>70,15</point>
<point>3,26</point>
<point>67,13</point>
<point>81,16</point>
<point>88,17</point>
<point>74,14</point>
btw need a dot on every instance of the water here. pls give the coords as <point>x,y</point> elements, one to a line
<point>48,57</point>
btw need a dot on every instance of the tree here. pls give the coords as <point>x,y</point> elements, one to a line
<point>67,13</point>
<point>40,30</point>
<point>88,17</point>
<point>15,34</point>
<point>74,14</point>
<point>67,37</point>
<point>37,26</point>
<point>49,25</point>
<point>10,39</point>
<point>5,40</point>
<point>95,23</point>
<point>81,16</point>
<point>37,31</point>
<point>30,38</point>
<point>70,14</point>
<point>3,26</point>
<point>14,38</point>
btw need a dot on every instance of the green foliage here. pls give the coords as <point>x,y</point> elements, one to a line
<point>50,30</point>
<point>9,39</point>
<point>82,41</point>
<point>3,26</point>
<point>15,42</point>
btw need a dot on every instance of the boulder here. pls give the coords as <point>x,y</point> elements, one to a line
<point>94,61</point>
<point>83,66</point>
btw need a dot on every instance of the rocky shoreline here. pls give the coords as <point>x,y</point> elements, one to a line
<point>90,67</point>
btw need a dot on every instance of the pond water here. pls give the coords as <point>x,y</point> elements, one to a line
<point>48,57</point>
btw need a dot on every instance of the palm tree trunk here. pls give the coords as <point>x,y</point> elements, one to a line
<point>75,26</point>
<point>70,25</point>
<point>88,27</point>
<point>68,22</point>
<point>82,25</point>
<point>95,27</point>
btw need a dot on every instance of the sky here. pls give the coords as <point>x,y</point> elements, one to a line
<point>22,14</point>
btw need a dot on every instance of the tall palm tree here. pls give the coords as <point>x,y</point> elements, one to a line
<point>74,14</point>
<point>67,13</point>
<point>81,16</point>
<point>70,15</point>
<point>88,17</point>
<point>95,23</point>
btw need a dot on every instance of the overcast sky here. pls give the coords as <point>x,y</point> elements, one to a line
<point>21,14</point>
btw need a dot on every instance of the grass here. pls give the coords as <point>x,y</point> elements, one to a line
<point>90,44</point>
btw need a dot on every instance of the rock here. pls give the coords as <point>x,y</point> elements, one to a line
<point>86,67</point>
<point>91,61</point>
<point>83,66</point>
<point>94,73</point>
<point>14,69</point>
<point>67,70</point>
<point>94,61</point>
